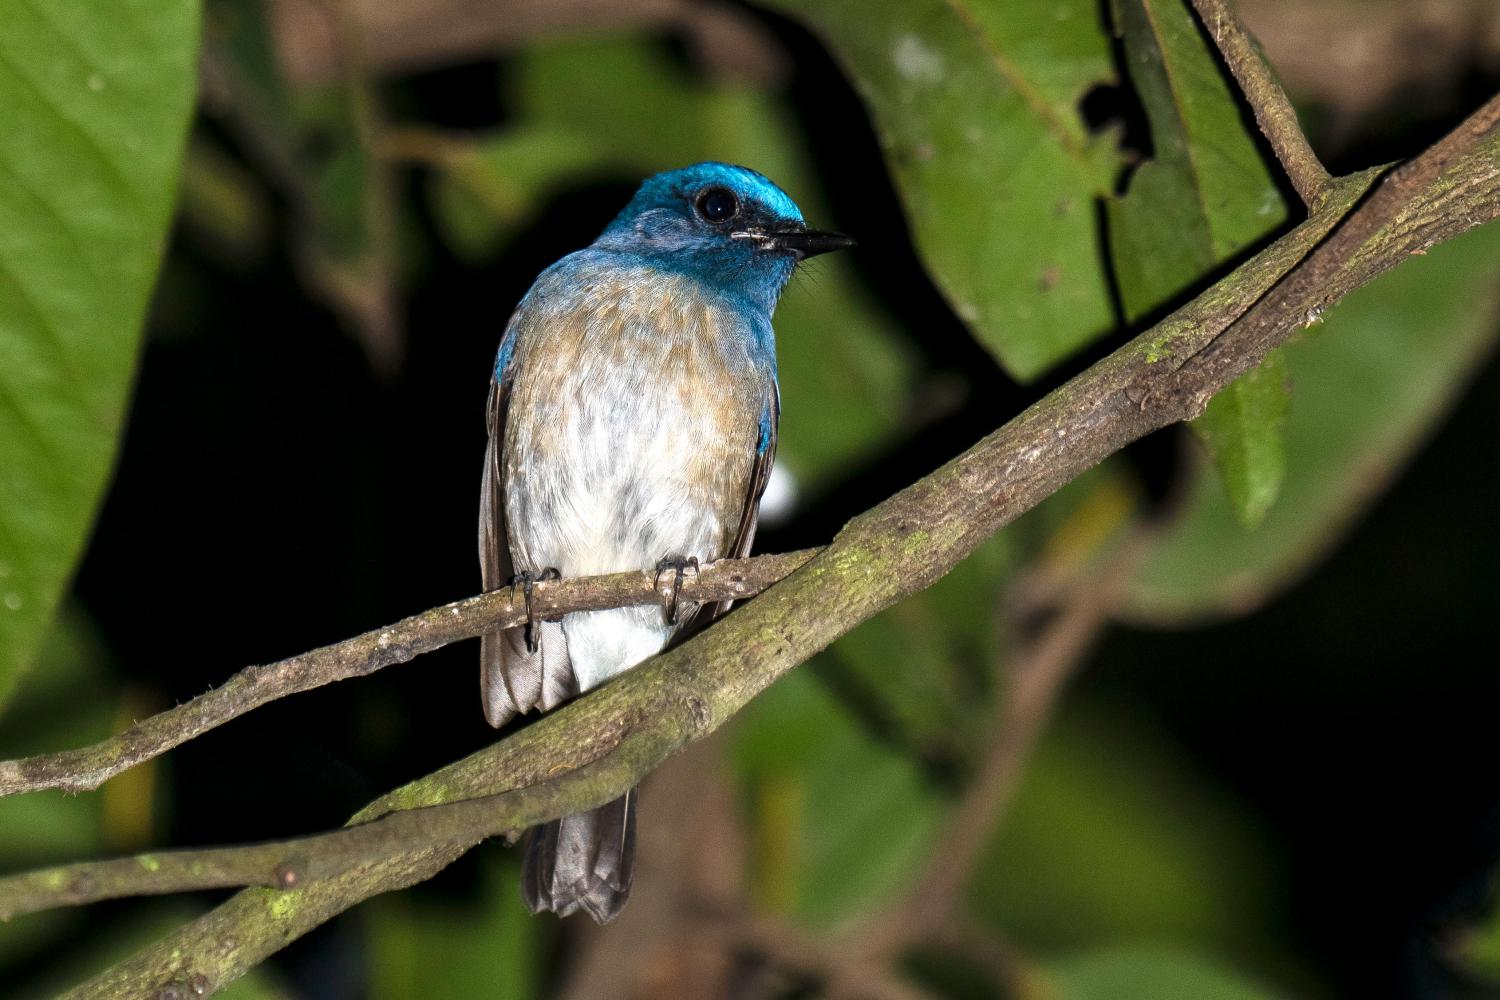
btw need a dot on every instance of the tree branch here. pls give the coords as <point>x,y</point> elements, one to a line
<point>290,864</point>
<point>905,544</point>
<point>1036,679</point>
<point>87,768</point>
<point>1273,111</point>
<point>1448,190</point>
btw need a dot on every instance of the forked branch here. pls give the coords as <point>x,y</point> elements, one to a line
<point>1273,111</point>
<point>597,747</point>
<point>89,767</point>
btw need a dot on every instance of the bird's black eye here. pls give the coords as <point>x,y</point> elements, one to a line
<point>717,204</point>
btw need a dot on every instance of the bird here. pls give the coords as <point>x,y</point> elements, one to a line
<point>632,422</point>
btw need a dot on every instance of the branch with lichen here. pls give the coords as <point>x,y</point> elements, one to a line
<point>1273,112</point>
<point>89,767</point>
<point>595,748</point>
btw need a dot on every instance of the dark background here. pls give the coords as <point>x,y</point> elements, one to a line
<point>274,493</point>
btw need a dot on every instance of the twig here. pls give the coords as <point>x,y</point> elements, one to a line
<point>1410,211</point>
<point>1039,673</point>
<point>254,924</point>
<point>901,546</point>
<point>1273,111</point>
<point>371,289</point>
<point>289,864</point>
<point>89,767</point>
<point>845,972</point>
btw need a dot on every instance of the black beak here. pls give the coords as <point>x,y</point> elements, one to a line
<point>807,243</point>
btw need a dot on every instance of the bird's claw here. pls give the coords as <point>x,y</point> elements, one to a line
<point>527,580</point>
<point>678,565</point>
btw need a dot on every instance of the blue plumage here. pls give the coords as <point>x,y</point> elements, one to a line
<point>632,419</point>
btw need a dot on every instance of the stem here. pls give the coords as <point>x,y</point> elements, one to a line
<point>89,767</point>
<point>597,747</point>
<point>1273,111</point>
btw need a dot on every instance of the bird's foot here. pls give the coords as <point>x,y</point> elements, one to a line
<point>678,565</point>
<point>527,580</point>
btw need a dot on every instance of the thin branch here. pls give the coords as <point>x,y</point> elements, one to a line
<point>1448,190</point>
<point>254,924</point>
<point>1038,675</point>
<point>901,546</point>
<point>290,864</point>
<point>89,767</point>
<point>1273,111</point>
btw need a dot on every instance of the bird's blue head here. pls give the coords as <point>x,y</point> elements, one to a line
<point>725,225</point>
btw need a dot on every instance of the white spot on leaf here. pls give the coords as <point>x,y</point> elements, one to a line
<point>916,61</point>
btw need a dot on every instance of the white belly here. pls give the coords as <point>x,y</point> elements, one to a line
<point>622,450</point>
<point>619,500</point>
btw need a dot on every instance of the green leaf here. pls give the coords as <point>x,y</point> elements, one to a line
<point>47,828</point>
<point>1206,195</point>
<point>1242,429</point>
<point>487,946</point>
<point>50,827</point>
<point>94,105</point>
<point>926,668</point>
<point>107,945</point>
<point>1140,973</point>
<point>976,105</point>
<point>489,190</point>
<point>1111,836</point>
<point>1476,947</point>
<point>839,820</point>
<point>846,372</point>
<point>1372,381</point>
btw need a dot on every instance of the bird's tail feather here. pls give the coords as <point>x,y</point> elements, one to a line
<point>514,680</point>
<point>582,862</point>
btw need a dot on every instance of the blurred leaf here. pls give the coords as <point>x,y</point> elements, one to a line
<point>50,827</point>
<point>1109,837</point>
<point>846,374</point>
<point>130,801</point>
<point>112,942</point>
<point>1147,974</point>
<point>1477,948</point>
<point>1067,535</point>
<point>600,86</point>
<point>976,105</point>
<point>926,667</point>
<point>94,102</point>
<point>923,676</point>
<point>221,199</point>
<point>1242,429</point>
<point>944,974</point>
<point>340,186</point>
<point>485,947</point>
<point>1206,195</point>
<point>491,189</point>
<point>1372,382</point>
<point>315,145</point>
<point>839,820</point>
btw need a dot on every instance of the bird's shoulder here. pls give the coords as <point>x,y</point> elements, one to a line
<point>598,278</point>
<point>615,293</point>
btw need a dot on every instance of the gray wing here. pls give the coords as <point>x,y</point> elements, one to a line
<point>512,678</point>
<point>582,862</point>
<point>759,476</point>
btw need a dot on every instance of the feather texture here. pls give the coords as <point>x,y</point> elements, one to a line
<point>632,418</point>
<point>627,423</point>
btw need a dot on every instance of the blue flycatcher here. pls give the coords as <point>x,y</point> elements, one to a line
<point>632,426</point>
